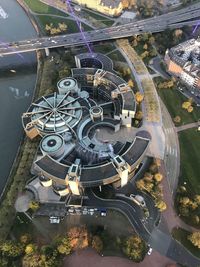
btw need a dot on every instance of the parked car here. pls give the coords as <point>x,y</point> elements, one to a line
<point>149,251</point>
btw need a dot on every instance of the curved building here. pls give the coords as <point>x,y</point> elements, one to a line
<point>88,138</point>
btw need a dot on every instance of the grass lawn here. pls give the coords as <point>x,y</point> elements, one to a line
<point>190,158</point>
<point>173,100</point>
<point>103,48</point>
<point>181,235</point>
<point>71,25</point>
<point>116,56</point>
<point>39,7</point>
<point>105,20</point>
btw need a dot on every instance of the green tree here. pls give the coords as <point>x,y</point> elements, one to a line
<point>97,243</point>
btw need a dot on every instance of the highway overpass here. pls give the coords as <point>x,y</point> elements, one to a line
<point>183,17</point>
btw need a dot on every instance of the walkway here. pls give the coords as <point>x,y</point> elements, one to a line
<point>152,121</point>
<point>188,126</point>
<point>89,258</point>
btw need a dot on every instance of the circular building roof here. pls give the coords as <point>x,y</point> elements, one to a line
<point>53,114</point>
<point>51,143</point>
<point>67,83</point>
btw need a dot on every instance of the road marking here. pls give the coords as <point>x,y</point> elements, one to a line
<point>173,151</point>
<point>170,150</point>
<point>167,148</point>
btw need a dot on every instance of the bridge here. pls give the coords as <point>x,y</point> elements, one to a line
<point>184,17</point>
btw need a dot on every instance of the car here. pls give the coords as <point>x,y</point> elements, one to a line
<point>149,251</point>
<point>138,200</point>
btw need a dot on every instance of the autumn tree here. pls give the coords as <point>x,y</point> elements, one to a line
<point>186,105</point>
<point>139,97</point>
<point>135,248</point>
<point>34,205</point>
<point>64,246</point>
<point>158,177</point>
<point>195,239</point>
<point>11,248</point>
<point>161,205</point>
<point>30,249</point>
<point>130,83</point>
<point>177,119</point>
<point>79,237</point>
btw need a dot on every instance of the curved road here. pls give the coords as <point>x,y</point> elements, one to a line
<point>157,239</point>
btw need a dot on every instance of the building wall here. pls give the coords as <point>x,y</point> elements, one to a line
<point>179,72</point>
<point>101,7</point>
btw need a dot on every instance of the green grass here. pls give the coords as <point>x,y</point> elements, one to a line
<point>190,158</point>
<point>71,25</point>
<point>116,56</point>
<point>105,20</point>
<point>39,7</point>
<point>181,235</point>
<point>173,100</point>
<point>103,47</point>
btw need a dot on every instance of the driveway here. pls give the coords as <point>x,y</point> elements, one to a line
<point>89,258</point>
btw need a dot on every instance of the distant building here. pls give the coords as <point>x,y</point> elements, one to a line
<point>108,7</point>
<point>183,62</point>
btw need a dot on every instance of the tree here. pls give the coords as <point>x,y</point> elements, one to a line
<point>79,237</point>
<point>139,115</point>
<point>177,119</point>
<point>195,239</point>
<point>197,199</point>
<point>64,247</point>
<point>186,105</point>
<point>62,26</point>
<point>185,201</point>
<point>34,205</point>
<point>139,97</point>
<point>25,239</point>
<point>158,177</point>
<point>145,46</point>
<point>32,260</point>
<point>161,205</point>
<point>134,248</point>
<point>11,249</point>
<point>130,83</point>
<point>190,109</point>
<point>97,243</point>
<point>30,249</point>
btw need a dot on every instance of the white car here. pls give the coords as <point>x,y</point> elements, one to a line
<point>149,251</point>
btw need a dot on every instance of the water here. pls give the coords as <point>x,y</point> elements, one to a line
<point>16,86</point>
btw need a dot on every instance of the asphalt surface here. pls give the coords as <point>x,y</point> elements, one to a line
<point>157,239</point>
<point>176,19</point>
<point>172,151</point>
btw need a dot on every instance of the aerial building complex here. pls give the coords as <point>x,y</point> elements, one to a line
<point>87,134</point>
<point>183,61</point>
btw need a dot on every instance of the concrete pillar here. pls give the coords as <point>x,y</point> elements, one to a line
<point>47,51</point>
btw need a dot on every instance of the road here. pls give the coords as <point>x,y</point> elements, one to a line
<point>157,239</point>
<point>176,19</point>
<point>172,152</point>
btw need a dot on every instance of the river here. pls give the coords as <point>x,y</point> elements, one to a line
<point>17,82</point>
